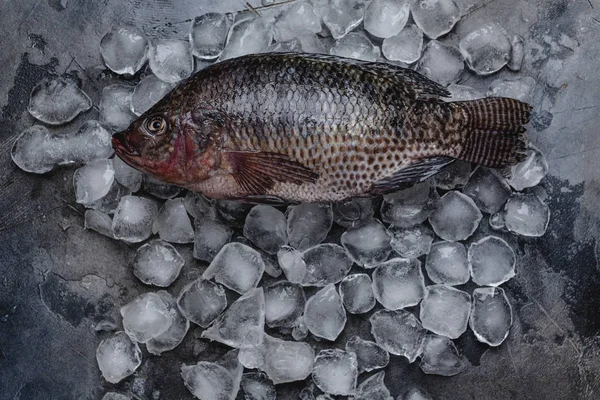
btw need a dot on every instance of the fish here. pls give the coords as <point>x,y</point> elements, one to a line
<point>293,127</point>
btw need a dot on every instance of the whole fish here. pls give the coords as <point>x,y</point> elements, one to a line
<point>315,128</point>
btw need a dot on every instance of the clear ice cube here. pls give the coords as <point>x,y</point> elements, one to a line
<point>445,310</point>
<point>399,283</point>
<point>258,386</point>
<point>199,206</point>
<point>248,37</point>
<point>296,20</point>
<point>530,171</point>
<point>148,92</point>
<point>440,357</point>
<point>462,93</point>
<point>491,261</point>
<point>146,317</point>
<point>386,18</point>
<point>202,302</point>
<point>411,242</point>
<point>356,45</point>
<point>237,267</point>
<point>435,17</point>
<point>99,222</point>
<point>233,212</point>
<point>57,101</point>
<point>335,372</point>
<point>441,63</point>
<point>160,189</point>
<point>405,46</point>
<point>133,219</point>
<point>353,213</point>
<point>118,357</point>
<point>526,215</point>
<point>456,217</point>
<point>208,35</point>
<point>447,263</point>
<point>266,227</point>
<point>456,175</point>
<point>300,330</point>
<point>173,223</point>
<point>110,201</point>
<point>520,88</point>
<point>356,293</point>
<point>287,361</point>
<point>93,181</point>
<point>324,313</point>
<point>368,245</point>
<point>373,388</point>
<point>284,303</point>
<point>127,176</point>
<point>398,332</point>
<point>409,207</point>
<point>157,263</point>
<point>124,49</point>
<point>171,60</point>
<point>496,221</point>
<point>308,224</point>
<point>115,107</point>
<point>487,49</point>
<point>292,263</point>
<point>369,355</point>
<point>517,53</point>
<point>209,238</point>
<point>208,381</point>
<point>325,263</point>
<point>488,189</point>
<point>342,16</point>
<point>173,336</point>
<point>491,315</point>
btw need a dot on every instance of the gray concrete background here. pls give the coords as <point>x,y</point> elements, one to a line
<point>57,280</point>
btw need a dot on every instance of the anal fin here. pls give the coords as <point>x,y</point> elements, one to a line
<point>416,172</point>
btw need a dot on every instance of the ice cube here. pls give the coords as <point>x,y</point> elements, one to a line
<point>115,396</point>
<point>287,361</point>
<point>93,181</point>
<point>258,386</point>
<point>369,355</point>
<point>411,242</point>
<point>242,324</point>
<point>373,388</point>
<point>405,46</point>
<point>520,88</point>
<point>291,46</point>
<point>173,336</point>
<point>530,171</point>
<point>159,189</point>
<point>233,212</point>
<point>208,35</point>
<point>447,263</point>
<point>517,53</point>
<point>310,43</point>
<point>208,381</point>
<point>491,315</point>
<point>398,332</point>
<point>386,18</point>
<point>308,224</point>
<point>416,394</point>
<point>284,303</point>
<point>456,217</point>
<point>435,17</point>
<point>343,16</point>
<point>199,206</point>
<point>209,239</point>
<point>441,63</point>
<point>409,207</point>
<point>292,263</point>
<point>356,45</point>
<point>231,362</point>
<point>99,222</point>
<point>357,294</point>
<point>57,101</point>
<point>462,93</point>
<point>266,227</point>
<point>202,302</point>
<point>496,221</point>
<point>118,357</point>
<point>445,310</point>
<point>148,92</point>
<point>300,330</point>
<point>491,261</point>
<point>173,223</point>
<point>237,267</point>
<point>248,37</point>
<point>145,317</point>
<point>488,189</point>
<point>456,175</point>
<point>487,49</point>
<point>325,263</point>
<point>157,263</point>
<point>171,60</point>
<point>440,357</point>
<point>368,245</point>
<point>526,215</point>
<point>126,175</point>
<point>37,150</point>
<point>296,20</point>
<point>335,372</point>
<point>124,49</point>
<point>399,283</point>
<point>133,219</point>
<point>353,213</point>
<point>110,201</point>
<point>115,107</point>
<point>324,313</point>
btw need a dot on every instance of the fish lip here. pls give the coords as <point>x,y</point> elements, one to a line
<point>122,146</point>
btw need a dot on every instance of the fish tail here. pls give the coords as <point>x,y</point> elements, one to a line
<point>494,132</point>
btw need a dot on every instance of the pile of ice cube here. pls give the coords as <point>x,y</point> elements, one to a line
<point>275,278</point>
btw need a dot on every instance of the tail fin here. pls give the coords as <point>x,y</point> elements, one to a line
<point>495,135</point>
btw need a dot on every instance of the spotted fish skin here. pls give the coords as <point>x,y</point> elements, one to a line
<point>318,128</point>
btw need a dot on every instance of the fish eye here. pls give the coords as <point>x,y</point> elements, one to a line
<point>156,125</point>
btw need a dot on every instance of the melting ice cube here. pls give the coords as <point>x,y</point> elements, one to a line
<point>398,332</point>
<point>440,357</point>
<point>441,63</point>
<point>173,336</point>
<point>491,261</point>
<point>343,16</point>
<point>456,217</point>
<point>208,35</point>
<point>411,242</point>
<point>530,171</point>
<point>445,311</point>
<point>118,357</point>
<point>399,283</point>
<point>369,355</point>
<point>296,20</point>
<point>335,372</point>
<point>357,293</point>
<point>237,267</point>
<point>491,315</point>
<point>356,45</point>
<point>133,219</point>
<point>487,49</point>
<point>488,189</point>
<point>209,238</point>
<point>308,224</point>
<point>368,245</point>
<point>124,49</point>
<point>526,215</point>
<point>115,107</point>
<point>405,46</point>
<point>57,101</point>
<point>93,181</point>
<point>324,313</point>
<point>284,303</point>
<point>266,227</point>
<point>171,60</point>
<point>157,263</point>
<point>386,18</point>
<point>447,263</point>
<point>173,223</point>
<point>202,302</point>
<point>147,93</point>
<point>146,317</point>
<point>435,17</point>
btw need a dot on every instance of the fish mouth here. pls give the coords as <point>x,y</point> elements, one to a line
<point>122,146</point>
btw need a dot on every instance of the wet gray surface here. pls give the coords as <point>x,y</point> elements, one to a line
<point>57,280</point>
